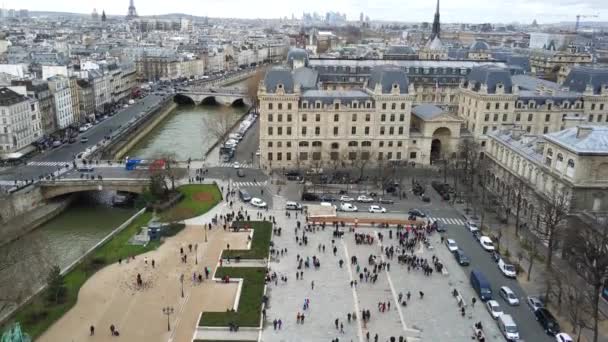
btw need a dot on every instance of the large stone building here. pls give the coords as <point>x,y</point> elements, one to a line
<point>60,88</point>
<point>555,65</point>
<point>19,122</point>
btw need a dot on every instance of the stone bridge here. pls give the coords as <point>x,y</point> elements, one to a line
<point>51,189</point>
<point>230,97</point>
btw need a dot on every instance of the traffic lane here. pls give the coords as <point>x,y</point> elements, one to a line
<point>246,149</point>
<point>262,192</point>
<point>96,133</point>
<point>26,172</point>
<point>529,328</point>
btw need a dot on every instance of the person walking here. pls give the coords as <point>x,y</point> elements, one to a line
<point>312,285</point>
<point>92,330</point>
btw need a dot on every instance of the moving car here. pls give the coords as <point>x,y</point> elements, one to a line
<point>240,173</point>
<point>85,168</point>
<point>547,321</point>
<point>534,303</point>
<point>508,327</point>
<point>307,196</point>
<point>471,226</point>
<point>244,195</point>
<point>416,213</point>
<point>486,243</point>
<point>494,309</point>
<point>508,295</point>
<point>293,206</point>
<point>507,269</point>
<point>386,201</point>
<point>345,198</point>
<point>348,207</point>
<point>376,209</point>
<point>236,165</point>
<point>328,198</point>
<point>461,258</point>
<point>257,202</point>
<point>451,244</point>
<point>364,199</point>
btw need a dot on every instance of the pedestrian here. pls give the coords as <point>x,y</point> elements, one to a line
<point>342,328</point>
<point>349,316</point>
<point>336,323</point>
<point>280,323</point>
<point>92,329</point>
<point>312,285</point>
<point>112,329</point>
<point>274,324</point>
<point>421,294</point>
<point>153,263</point>
<point>473,301</point>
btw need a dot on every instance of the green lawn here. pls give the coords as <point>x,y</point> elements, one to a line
<point>260,246</point>
<point>38,315</point>
<point>250,304</point>
<point>190,206</point>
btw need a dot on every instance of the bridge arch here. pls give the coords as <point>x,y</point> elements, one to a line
<point>209,101</point>
<point>238,103</point>
<point>182,99</point>
<point>55,189</point>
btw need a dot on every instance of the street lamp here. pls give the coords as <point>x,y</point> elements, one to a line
<point>181,280</point>
<point>205,232</point>
<point>168,310</point>
<point>196,254</point>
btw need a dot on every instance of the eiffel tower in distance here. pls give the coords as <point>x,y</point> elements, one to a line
<point>132,11</point>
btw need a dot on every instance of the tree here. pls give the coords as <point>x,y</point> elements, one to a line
<point>55,285</point>
<point>555,210</point>
<point>590,254</point>
<point>533,248</point>
<point>253,85</point>
<point>219,125</point>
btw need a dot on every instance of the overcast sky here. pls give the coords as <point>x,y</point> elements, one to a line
<point>403,10</point>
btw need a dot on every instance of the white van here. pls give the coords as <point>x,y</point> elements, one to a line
<point>508,327</point>
<point>293,205</point>
<point>507,269</point>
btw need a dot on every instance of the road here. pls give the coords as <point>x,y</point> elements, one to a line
<point>529,328</point>
<point>50,160</point>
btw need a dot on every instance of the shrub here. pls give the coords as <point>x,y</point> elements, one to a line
<point>36,316</point>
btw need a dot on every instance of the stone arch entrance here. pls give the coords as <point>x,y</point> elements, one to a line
<point>440,143</point>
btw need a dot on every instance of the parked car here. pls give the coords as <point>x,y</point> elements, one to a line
<point>451,244</point>
<point>377,209</point>
<point>257,202</point>
<point>495,256</point>
<point>425,198</point>
<point>486,243</point>
<point>293,206</point>
<point>386,201</point>
<point>345,198</point>
<point>244,195</point>
<point>547,321</point>
<point>349,207</point>
<point>508,295</point>
<point>563,337</point>
<point>507,269</point>
<point>328,198</point>
<point>416,213</point>
<point>471,226</point>
<point>534,303</point>
<point>508,327</point>
<point>307,196</point>
<point>494,309</point>
<point>364,199</point>
<point>461,258</point>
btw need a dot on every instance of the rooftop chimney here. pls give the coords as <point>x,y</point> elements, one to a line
<point>583,131</point>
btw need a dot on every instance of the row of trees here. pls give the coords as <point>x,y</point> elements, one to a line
<point>549,229</point>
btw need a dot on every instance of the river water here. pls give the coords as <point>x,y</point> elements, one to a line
<point>186,133</point>
<point>24,263</point>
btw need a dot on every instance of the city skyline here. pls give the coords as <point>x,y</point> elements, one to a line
<point>523,11</point>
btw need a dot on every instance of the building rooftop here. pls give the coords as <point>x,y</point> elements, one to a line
<point>427,111</point>
<point>526,145</point>
<point>492,77</point>
<point>276,76</point>
<point>9,97</point>
<point>402,63</point>
<point>580,77</point>
<point>328,96</point>
<point>584,139</point>
<point>388,76</point>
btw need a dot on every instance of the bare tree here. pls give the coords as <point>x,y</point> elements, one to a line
<point>519,189</point>
<point>579,304</point>
<point>219,125</point>
<point>590,253</point>
<point>253,85</point>
<point>554,211</point>
<point>533,248</point>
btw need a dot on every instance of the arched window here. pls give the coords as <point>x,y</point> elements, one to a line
<point>316,144</point>
<point>570,168</point>
<point>303,144</point>
<point>335,146</point>
<point>366,143</point>
<point>550,152</point>
<point>352,144</point>
<point>559,162</point>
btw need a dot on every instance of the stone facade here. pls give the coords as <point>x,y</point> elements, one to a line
<point>19,121</point>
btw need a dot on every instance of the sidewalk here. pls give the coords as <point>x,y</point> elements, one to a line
<point>536,286</point>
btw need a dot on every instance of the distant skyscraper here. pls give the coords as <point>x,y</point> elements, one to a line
<point>132,12</point>
<point>436,25</point>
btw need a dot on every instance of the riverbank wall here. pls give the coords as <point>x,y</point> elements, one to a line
<point>120,146</point>
<point>28,221</point>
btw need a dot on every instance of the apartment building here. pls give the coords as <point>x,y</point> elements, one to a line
<point>19,121</point>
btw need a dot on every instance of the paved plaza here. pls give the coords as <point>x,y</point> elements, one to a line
<point>436,317</point>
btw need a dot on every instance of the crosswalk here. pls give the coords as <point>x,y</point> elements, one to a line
<point>49,163</point>
<point>243,166</point>
<point>447,220</point>
<point>249,184</point>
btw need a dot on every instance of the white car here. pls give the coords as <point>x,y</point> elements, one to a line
<point>494,308</point>
<point>563,337</point>
<point>507,269</point>
<point>348,207</point>
<point>508,295</point>
<point>364,199</point>
<point>236,165</point>
<point>256,202</point>
<point>534,303</point>
<point>452,246</point>
<point>345,198</point>
<point>257,153</point>
<point>471,226</point>
<point>486,243</point>
<point>376,209</point>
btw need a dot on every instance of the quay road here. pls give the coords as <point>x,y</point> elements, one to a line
<point>51,159</point>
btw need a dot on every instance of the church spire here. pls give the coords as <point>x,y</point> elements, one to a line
<point>436,25</point>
